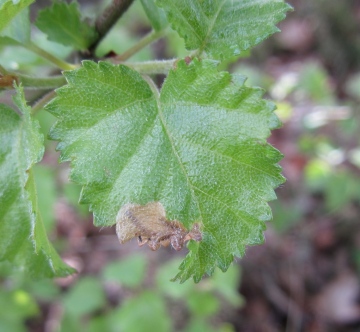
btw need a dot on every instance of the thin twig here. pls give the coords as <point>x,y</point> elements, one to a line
<point>108,18</point>
<point>149,67</point>
<point>146,40</point>
<point>48,56</point>
<point>44,83</point>
<point>38,83</point>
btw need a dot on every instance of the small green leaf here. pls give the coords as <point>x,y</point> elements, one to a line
<point>199,148</point>
<point>23,240</point>
<point>44,289</point>
<point>16,306</point>
<point>202,303</point>
<point>172,289</point>
<point>85,297</point>
<point>71,323</point>
<point>130,272</point>
<point>19,28</point>
<point>62,23</point>
<point>227,285</point>
<point>146,312</point>
<point>99,323</point>
<point>197,324</point>
<point>9,9</point>
<point>155,15</point>
<point>224,28</point>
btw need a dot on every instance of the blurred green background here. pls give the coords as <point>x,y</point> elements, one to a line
<point>304,278</point>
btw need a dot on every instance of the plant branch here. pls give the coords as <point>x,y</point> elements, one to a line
<point>39,83</point>
<point>44,54</point>
<point>45,83</point>
<point>108,18</point>
<point>146,40</point>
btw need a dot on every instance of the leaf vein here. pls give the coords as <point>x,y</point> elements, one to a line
<point>222,203</point>
<point>228,157</point>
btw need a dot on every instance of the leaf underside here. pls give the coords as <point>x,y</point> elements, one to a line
<point>224,28</point>
<point>18,30</point>
<point>9,9</point>
<point>199,147</point>
<point>23,240</point>
<point>155,15</point>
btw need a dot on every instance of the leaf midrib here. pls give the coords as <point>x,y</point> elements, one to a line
<point>187,22</point>
<point>211,25</point>
<point>176,154</point>
<point>80,41</point>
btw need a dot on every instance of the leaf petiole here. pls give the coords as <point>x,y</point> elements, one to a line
<point>46,55</point>
<point>39,83</point>
<point>45,83</point>
<point>150,67</point>
<point>146,40</point>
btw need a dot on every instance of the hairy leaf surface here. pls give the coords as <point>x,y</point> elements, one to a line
<point>63,24</point>
<point>199,147</point>
<point>224,28</point>
<point>23,239</point>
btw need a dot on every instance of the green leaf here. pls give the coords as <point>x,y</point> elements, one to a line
<point>227,285</point>
<point>155,15</point>
<point>85,297</point>
<point>19,28</point>
<point>44,290</point>
<point>62,23</point>
<point>172,289</point>
<point>45,180</point>
<point>70,323</point>
<point>197,324</point>
<point>203,303</point>
<point>199,148</point>
<point>130,272</point>
<point>99,323</point>
<point>224,28</point>
<point>9,9</point>
<point>146,312</point>
<point>16,306</point>
<point>23,240</point>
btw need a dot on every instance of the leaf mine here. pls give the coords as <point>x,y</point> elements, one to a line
<point>149,224</point>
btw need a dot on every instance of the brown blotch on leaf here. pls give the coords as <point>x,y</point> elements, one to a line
<point>149,224</point>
